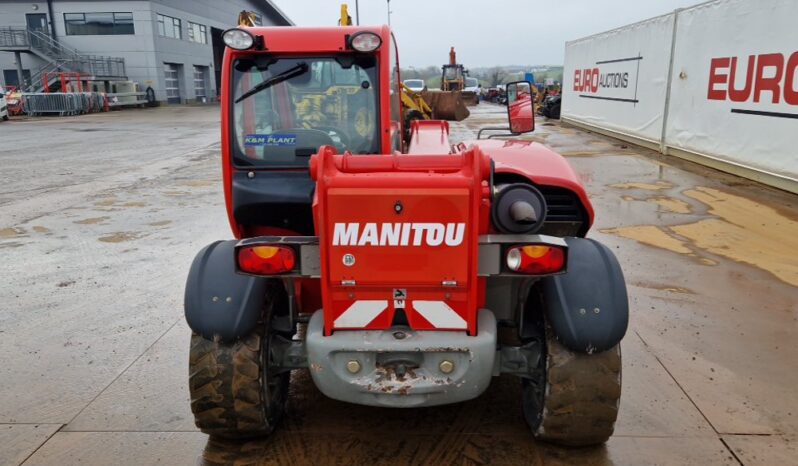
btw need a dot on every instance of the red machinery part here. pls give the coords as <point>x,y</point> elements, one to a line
<point>411,244</point>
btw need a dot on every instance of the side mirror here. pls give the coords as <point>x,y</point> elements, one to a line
<point>520,107</point>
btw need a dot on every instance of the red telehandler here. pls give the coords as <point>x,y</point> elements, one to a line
<point>416,270</point>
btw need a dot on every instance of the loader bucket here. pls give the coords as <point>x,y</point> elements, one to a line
<point>446,105</point>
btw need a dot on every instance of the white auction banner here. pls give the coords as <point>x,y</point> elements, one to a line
<point>734,93</point>
<point>733,100</point>
<point>618,79</point>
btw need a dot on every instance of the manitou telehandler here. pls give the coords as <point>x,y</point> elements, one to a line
<point>415,270</point>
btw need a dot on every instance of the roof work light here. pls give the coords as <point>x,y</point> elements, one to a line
<point>238,39</point>
<point>365,41</point>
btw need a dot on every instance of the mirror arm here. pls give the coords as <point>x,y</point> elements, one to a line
<point>495,128</point>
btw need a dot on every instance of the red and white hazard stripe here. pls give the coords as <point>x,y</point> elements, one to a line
<point>439,314</point>
<point>360,313</point>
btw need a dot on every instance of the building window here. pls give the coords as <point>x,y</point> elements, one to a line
<point>200,78</point>
<point>169,27</point>
<point>11,78</point>
<point>171,73</point>
<point>98,24</point>
<point>197,33</point>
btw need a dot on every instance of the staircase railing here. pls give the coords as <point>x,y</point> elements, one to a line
<point>60,57</point>
<point>14,37</point>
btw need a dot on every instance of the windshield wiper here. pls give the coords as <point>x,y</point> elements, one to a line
<point>299,69</point>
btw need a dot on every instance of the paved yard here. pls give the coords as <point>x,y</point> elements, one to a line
<point>101,215</point>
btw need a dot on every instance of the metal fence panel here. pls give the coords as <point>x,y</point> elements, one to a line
<point>63,104</point>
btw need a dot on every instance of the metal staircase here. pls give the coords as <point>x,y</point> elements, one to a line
<point>59,58</point>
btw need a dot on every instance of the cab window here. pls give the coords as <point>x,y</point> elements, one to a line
<point>285,108</point>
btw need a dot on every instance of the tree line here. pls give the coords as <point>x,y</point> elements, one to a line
<point>487,76</point>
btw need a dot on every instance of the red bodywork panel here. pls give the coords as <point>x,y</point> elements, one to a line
<point>429,137</point>
<point>535,162</point>
<point>400,232</point>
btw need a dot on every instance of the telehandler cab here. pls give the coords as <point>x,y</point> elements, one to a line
<point>418,270</point>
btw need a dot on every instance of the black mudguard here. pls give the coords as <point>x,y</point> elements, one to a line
<point>587,307</point>
<point>220,303</point>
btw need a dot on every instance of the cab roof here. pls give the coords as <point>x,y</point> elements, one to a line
<point>312,39</point>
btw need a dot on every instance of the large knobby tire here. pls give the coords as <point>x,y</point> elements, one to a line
<point>235,393</point>
<point>232,395</point>
<point>577,403</point>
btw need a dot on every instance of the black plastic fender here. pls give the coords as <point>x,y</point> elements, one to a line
<point>220,302</point>
<point>587,307</point>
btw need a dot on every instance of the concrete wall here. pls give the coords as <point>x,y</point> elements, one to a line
<point>145,52</point>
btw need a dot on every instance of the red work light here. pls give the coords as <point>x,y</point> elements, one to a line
<point>266,260</point>
<point>535,259</point>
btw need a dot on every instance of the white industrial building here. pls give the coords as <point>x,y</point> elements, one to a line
<point>172,46</point>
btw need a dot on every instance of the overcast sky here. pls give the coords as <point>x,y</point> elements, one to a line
<point>486,32</point>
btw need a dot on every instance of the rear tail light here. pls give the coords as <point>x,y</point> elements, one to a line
<point>266,260</point>
<point>536,259</point>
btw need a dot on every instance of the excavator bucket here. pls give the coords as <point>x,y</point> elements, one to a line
<point>446,105</point>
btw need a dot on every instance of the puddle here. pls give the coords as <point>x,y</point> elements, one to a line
<point>743,230</point>
<point>661,287</point>
<point>580,153</point>
<point>652,236</point>
<point>106,202</point>
<point>659,185</point>
<point>91,221</point>
<point>120,237</point>
<point>668,204</point>
<point>11,232</point>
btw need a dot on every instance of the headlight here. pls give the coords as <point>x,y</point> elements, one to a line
<point>365,41</point>
<point>238,39</point>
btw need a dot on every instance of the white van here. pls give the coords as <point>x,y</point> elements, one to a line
<point>472,85</point>
<point>415,85</point>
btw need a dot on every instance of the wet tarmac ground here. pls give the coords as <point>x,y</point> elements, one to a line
<point>101,215</point>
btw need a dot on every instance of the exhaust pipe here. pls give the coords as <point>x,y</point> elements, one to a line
<point>518,208</point>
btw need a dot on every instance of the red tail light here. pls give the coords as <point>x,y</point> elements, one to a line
<point>266,260</point>
<point>536,259</point>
